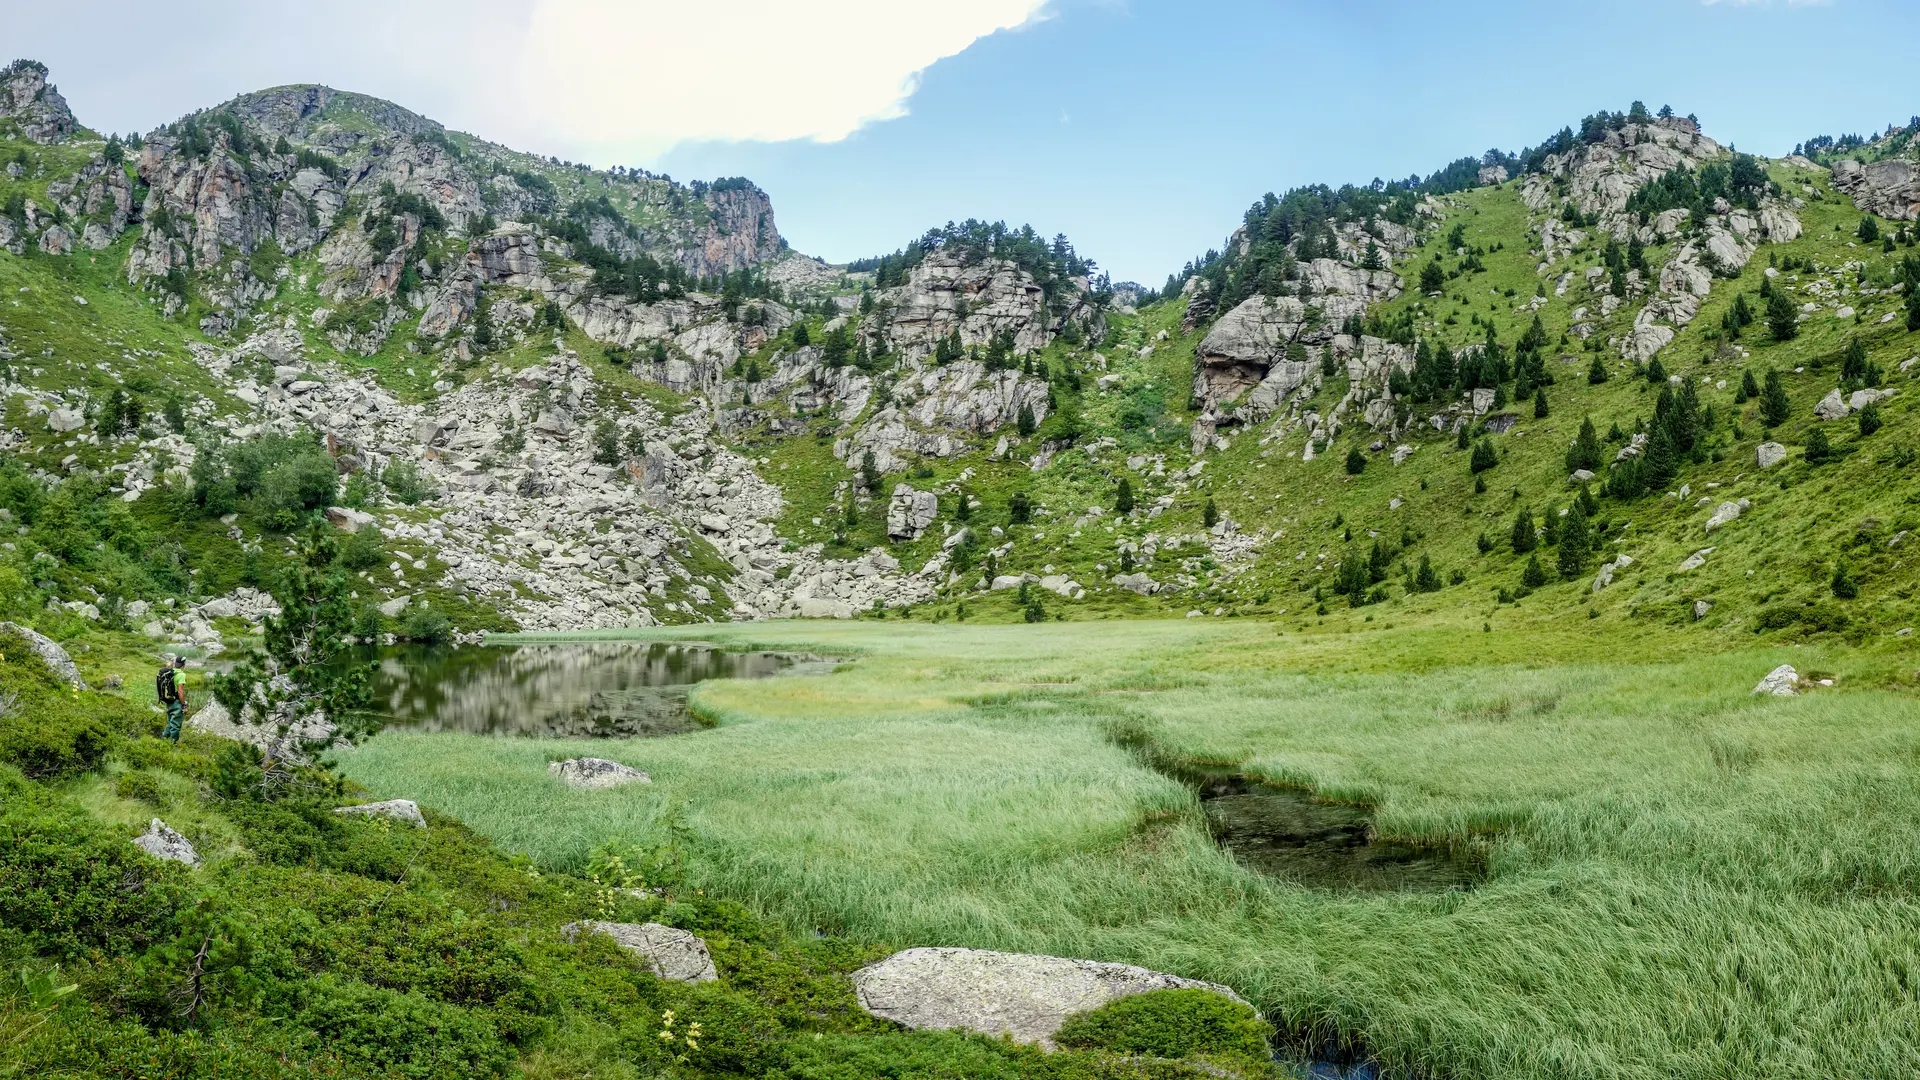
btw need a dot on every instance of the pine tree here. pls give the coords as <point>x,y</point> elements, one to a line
<point>1539,403</point>
<point>1432,278</point>
<point>304,667</point>
<point>1534,575</point>
<point>1774,406</point>
<point>1869,230</point>
<point>1461,440</point>
<point>1210,515</point>
<point>1123,498</point>
<point>1596,372</point>
<point>1853,364</point>
<point>1869,419</point>
<point>1573,542</point>
<point>1356,462</point>
<point>869,471</point>
<point>606,443</point>
<point>1843,585</point>
<point>1585,451</point>
<point>1484,456</point>
<point>1550,526</point>
<point>1024,424</point>
<point>1657,372</point>
<point>1020,508</point>
<point>1782,320</point>
<point>1523,536</point>
<point>1425,579</point>
<point>1749,389</point>
<point>1819,447</point>
<point>802,337</point>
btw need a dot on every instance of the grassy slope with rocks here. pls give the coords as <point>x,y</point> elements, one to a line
<point>307,944</point>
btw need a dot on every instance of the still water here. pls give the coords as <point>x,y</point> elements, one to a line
<point>603,689</point>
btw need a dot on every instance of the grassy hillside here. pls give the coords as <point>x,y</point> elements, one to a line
<point>1770,572</point>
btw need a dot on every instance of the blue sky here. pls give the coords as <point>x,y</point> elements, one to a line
<point>1140,128</point>
<point>1144,129</point>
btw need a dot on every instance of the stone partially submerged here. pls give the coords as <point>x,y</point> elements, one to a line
<point>670,952</point>
<point>1018,995</point>
<point>593,772</point>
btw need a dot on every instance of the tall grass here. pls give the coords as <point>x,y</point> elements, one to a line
<point>1684,880</point>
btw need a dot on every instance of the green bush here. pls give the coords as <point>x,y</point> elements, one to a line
<point>71,884</point>
<point>139,786</point>
<point>1170,1024</point>
<point>405,1036</point>
<point>46,727</point>
<point>405,481</point>
<point>362,550</point>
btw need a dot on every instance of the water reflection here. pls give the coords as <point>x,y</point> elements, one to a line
<point>579,690</point>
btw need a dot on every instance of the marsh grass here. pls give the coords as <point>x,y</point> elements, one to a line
<point>1684,880</point>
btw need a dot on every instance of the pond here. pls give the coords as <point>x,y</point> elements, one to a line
<point>602,689</point>
<point>1290,834</point>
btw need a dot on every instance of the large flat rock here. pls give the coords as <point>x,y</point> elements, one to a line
<point>670,952</point>
<point>1021,996</point>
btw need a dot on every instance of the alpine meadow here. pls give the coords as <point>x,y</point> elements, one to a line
<point>1456,627</point>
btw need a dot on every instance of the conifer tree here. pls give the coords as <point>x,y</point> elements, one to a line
<point>1596,372</point>
<point>1210,515</point>
<point>1432,278</point>
<point>1356,462</point>
<point>1534,575</point>
<point>1782,320</point>
<point>1425,579</point>
<point>1573,542</point>
<point>1484,456</point>
<point>1657,372</point>
<point>1024,424</point>
<point>1585,451</point>
<point>1523,536</point>
<point>1123,498</point>
<point>1842,584</point>
<point>1539,403</point>
<point>1869,419</point>
<point>1774,406</point>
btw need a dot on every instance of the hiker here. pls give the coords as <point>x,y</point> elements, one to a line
<point>172,688</point>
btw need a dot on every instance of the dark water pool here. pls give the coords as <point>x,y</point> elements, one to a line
<point>1290,834</point>
<point>602,689</point>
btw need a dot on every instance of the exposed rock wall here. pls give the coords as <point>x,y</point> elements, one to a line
<point>27,99</point>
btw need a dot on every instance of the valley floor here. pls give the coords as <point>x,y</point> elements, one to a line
<point>1683,879</point>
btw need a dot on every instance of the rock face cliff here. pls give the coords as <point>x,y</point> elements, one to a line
<point>29,101</point>
<point>1889,187</point>
<point>1598,180</point>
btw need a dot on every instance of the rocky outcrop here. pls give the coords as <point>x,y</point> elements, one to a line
<point>910,512</point>
<point>736,232</point>
<point>1025,998</point>
<point>100,197</point>
<point>50,653</point>
<point>1889,187</point>
<point>978,298</point>
<point>404,811</point>
<point>1600,177</point>
<point>594,773</point>
<point>162,842</point>
<point>29,101</point>
<point>669,952</point>
<point>1782,681</point>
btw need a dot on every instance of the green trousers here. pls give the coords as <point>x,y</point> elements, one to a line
<point>176,715</point>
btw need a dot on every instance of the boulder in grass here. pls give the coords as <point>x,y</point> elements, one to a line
<point>1021,996</point>
<point>50,653</point>
<point>1782,681</point>
<point>670,952</point>
<point>593,772</point>
<point>162,842</point>
<point>395,809</point>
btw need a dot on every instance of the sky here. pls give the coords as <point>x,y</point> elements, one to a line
<point>1140,128</point>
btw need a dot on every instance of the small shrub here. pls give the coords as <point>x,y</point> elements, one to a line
<point>361,550</point>
<point>404,1036</point>
<point>140,787</point>
<point>1170,1024</point>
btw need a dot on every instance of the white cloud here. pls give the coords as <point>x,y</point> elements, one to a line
<point>641,76</point>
